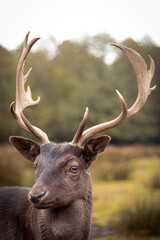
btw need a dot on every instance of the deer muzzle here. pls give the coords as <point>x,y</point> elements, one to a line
<point>36,198</point>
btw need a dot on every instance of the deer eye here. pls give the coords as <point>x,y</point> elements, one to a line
<point>35,165</point>
<point>74,169</point>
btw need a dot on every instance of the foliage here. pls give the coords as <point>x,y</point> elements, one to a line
<point>114,200</point>
<point>14,169</point>
<point>141,218</point>
<point>9,174</point>
<point>116,164</point>
<point>6,92</point>
<point>126,238</point>
<point>111,170</point>
<point>154,181</point>
<point>79,75</point>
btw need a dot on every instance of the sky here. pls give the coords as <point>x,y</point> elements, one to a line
<point>74,19</point>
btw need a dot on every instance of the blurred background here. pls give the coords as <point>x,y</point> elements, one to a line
<point>75,66</point>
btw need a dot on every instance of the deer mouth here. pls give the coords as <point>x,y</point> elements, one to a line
<point>49,205</point>
<point>41,200</point>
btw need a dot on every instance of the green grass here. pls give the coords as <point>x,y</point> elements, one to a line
<point>110,197</point>
<point>142,218</point>
<point>127,238</point>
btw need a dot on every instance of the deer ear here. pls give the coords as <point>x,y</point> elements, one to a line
<point>27,148</point>
<point>94,146</point>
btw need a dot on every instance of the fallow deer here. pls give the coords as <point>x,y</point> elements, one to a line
<point>59,205</point>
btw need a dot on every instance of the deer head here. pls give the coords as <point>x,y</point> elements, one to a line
<point>62,170</point>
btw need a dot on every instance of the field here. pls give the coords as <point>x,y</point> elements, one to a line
<point>126,190</point>
<point>126,181</point>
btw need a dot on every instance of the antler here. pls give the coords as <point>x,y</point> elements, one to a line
<point>144,78</point>
<point>24,98</point>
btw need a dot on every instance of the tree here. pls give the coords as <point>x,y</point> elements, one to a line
<point>77,76</point>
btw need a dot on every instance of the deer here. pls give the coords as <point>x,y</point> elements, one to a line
<point>59,204</point>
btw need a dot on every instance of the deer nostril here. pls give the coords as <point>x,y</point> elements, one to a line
<point>36,198</point>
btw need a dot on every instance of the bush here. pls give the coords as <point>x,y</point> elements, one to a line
<point>112,170</point>
<point>140,219</point>
<point>120,171</point>
<point>154,181</point>
<point>14,169</point>
<point>116,162</point>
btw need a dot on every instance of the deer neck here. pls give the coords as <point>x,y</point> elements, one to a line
<point>69,222</point>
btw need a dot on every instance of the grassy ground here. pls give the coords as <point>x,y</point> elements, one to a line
<point>111,196</point>
<point>127,238</point>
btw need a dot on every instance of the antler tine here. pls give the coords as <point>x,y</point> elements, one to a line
<point>24,98</point>
<point>107,125</point>
<point>144,78</point>
<point>80,128</point>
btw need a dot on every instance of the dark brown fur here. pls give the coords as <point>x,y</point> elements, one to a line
<point>65,211</point>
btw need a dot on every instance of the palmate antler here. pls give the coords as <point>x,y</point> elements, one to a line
<point>144,78</point>
<point>23,98</point>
